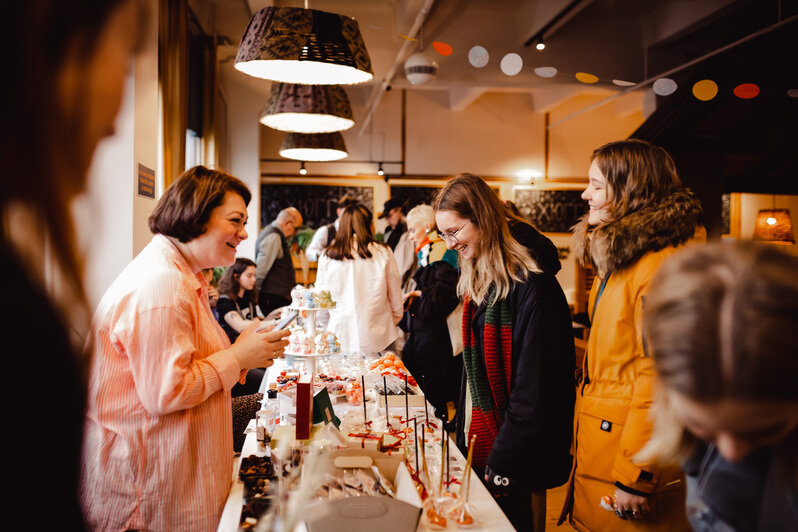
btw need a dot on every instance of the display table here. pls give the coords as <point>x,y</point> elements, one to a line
<point>487,512</point>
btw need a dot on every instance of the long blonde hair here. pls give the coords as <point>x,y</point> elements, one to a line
<point>499,259</point>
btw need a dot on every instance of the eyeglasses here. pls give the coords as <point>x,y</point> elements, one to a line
<point>451,238</point>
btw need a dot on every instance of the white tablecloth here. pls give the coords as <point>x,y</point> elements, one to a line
<point>489,515</point>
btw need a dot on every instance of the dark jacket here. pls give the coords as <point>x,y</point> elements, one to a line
<point>539,246</point>
<point>281,277</point>
<point>534,440</point>
<point>44,406</point>
<point>428,350</point>
<point>756,493</point>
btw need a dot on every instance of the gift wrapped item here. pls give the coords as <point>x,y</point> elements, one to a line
<point>371,441</point>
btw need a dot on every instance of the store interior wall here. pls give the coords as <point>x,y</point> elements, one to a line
<point>494,136</point>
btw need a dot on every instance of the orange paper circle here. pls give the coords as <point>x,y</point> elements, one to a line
<point>442,48</point>
<point>746,91</point>
<point>705,90</point>
<point>584,77</point>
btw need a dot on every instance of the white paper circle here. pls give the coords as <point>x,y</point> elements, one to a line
<point>664,86</point>
<point>511,64</point>
<point>478,56</point>
<point>546,72</point>
<point>622,83</point>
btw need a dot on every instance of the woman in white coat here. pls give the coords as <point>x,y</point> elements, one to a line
<point>362,277</point>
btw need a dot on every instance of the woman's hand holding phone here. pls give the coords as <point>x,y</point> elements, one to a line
<point>254,349</point>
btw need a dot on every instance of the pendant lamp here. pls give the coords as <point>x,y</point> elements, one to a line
<point>307,108</point>
<point>296,45</point>
<point>313,147</point>
<point>774,225</point>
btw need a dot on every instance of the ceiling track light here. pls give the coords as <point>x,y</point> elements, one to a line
<point>540,45</point>
<point>302,169</point>
<point>380,171</point>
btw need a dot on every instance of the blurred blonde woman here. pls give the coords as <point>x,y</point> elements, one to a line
<point>720,324</point>
<point>66,68</point>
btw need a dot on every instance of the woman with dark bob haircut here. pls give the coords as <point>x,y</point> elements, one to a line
<point>159,420</point>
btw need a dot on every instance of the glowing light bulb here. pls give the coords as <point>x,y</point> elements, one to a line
<point>771,221</point>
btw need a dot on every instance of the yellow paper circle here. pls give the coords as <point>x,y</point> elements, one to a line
<point>584,77</point>
<point>705,90</point>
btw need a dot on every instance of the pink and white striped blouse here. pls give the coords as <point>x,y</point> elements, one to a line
<point>158,449</point>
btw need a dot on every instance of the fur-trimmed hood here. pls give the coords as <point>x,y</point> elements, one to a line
<point>669,221</point>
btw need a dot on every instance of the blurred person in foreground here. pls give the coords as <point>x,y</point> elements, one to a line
<point>68,62</point>
<point>158,447</point>
<point>639,213</point>
<point>362,278</point>
<point>720,324</point>
<point>518,354</point>
<point>275,276</point>
<point>428,350</point>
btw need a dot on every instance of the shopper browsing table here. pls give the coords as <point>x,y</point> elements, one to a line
<point>518,354</point>
<point>362,278</point>
<point>158,446</point>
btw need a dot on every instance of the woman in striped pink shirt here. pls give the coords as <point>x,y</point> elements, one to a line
<point>158,449</point>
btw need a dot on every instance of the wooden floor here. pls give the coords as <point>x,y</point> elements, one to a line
<point>554,501</point>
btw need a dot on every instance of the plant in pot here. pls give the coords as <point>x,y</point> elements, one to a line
<point>298,243</point>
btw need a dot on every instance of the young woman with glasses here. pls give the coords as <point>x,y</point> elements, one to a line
<point>518,353</point>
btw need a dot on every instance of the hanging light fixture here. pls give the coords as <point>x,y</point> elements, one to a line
<point>302,169</point>
<point>296,45</point>
<point>774,225</point>
<point>307,108</point>
<point>380,171</point>
<point>313,147</point>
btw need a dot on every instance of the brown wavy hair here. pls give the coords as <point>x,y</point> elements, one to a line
<point>43,169</point>
<point>354,234</point>
<point>229,284</point>
<point>637,172</point>
<point>500,259</point>
<point>185,208</point>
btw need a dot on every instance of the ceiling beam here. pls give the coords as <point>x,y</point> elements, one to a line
<point>462,97</point>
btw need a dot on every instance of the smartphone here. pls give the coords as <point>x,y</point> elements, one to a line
<point>285,322</point>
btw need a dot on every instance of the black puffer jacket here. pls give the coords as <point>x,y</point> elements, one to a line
<point>539,246</point>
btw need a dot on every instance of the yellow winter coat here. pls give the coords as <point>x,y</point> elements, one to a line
<point>611,421</point>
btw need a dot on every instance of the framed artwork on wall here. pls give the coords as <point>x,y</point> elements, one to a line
<point>551,211</point>
<point>316,203</point>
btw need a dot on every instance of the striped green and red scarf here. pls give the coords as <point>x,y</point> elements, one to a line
<point>489,377</point>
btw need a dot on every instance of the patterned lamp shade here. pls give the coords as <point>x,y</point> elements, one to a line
<point>774,225</point>
<point>313,147</point>
<point>296,45</point>
<point>307,108</point>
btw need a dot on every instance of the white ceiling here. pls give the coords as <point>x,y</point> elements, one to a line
<point>606,38</point>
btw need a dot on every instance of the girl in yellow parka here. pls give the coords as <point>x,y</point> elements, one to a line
<point>639,213</point>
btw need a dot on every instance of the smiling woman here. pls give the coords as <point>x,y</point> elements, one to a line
<point>518,349</point>
<point>163,369</point>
